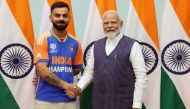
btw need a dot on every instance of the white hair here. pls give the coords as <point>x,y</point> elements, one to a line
<point>112,12</point>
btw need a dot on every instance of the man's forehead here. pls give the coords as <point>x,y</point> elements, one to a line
<point>110,16</point>
<point>62,10</point>
<point>110,20</point>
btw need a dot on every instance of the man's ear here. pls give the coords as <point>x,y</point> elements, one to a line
<point>50,19</point>
<point>69,18</point>
<point>121,23</point>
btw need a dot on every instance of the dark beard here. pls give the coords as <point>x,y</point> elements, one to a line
<point>60,27</point>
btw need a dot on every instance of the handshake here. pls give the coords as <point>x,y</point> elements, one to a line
<point>72,90</point>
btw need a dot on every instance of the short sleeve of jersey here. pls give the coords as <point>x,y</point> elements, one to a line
<point>78,60</point>
<point>40,50</point>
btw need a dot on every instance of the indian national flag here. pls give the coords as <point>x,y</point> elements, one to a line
<point>141,25</point>
<point>175,48</point>
<point>16,60</point>
<point>45,22</point>
<point>93,31</point>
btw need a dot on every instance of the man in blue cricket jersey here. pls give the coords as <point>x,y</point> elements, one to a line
<point>58,57</point>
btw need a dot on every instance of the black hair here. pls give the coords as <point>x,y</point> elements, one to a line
<point>59,5</point>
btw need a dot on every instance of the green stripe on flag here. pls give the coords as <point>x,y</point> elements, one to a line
<point>7,100</point>
<point>170,98</point>
<point>143,106</point>
<point>86,96</point>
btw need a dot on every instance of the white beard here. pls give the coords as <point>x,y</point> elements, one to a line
<point>112,34</point>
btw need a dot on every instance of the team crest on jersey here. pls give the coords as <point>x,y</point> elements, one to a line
<point>71,48</point>
<point>53,48</point>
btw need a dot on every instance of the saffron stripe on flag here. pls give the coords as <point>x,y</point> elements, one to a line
<point>182,8</point>
<point>105,5</point>
<point>21,8</point>
<point>146,12</point>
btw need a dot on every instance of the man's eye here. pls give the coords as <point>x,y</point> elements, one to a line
<point>65,15</point>
<point>113,22</point>
<point>106,23</point>
<point>56,15</point>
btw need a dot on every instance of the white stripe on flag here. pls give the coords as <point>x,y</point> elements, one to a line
<point>45,22</point>
<point>94,29</point>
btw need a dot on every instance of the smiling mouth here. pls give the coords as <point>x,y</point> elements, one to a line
<point>110,31</point>
<point>60,23</point>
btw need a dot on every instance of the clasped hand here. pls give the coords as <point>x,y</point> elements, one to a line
<point>72,91</point>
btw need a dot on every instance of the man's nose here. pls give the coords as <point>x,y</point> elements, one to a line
<point>61,18</point>
<point>110,24</point>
